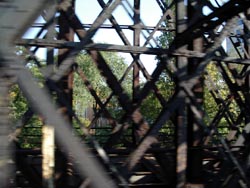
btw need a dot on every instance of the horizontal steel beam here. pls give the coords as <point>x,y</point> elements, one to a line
<point>109,26</point>
<point>126,49</point>
<point>93,46</point>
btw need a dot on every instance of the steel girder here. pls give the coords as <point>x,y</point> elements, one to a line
<point>200,154</point>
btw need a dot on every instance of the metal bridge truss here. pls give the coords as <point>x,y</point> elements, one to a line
<point>199,155</point>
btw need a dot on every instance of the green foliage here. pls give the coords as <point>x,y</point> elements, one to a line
<point>167,37</point>
<point>223,95</point>
<point>166,88</point>
<point>30,135</point>
<point>210,106</point>
<point>18,103</point>
<point>82,97</point>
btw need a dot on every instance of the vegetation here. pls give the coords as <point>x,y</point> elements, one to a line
<point>84,102</point>
<point>82,97</point>
<point>30,135</point>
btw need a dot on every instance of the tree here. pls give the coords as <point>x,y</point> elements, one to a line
<point>84,101</point>
<point>29,135</point>
<point>83,98</point>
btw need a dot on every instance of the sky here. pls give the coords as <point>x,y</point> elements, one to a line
<point>151,13</point>
<point>88,10</point>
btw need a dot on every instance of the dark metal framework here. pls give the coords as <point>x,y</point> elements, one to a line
<point>199,155</point>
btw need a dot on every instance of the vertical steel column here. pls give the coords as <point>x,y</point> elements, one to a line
<point>195,133</point>
<point>136,71</point>
<point>181,124</point>
<point>66,90</point>
<point>48,138</point>
<point>5,129</point>
<point>66,83</point>
<point>247,79</point>
<point>247,56</point>
<point>51,31</point>
<point>48,163</point>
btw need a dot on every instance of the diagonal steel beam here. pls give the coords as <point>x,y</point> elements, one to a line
<point>207,23</point>
<point>107,73</point>
<point>85,36</point>
<point>127,43</point>
<point>102,154</point>
<point>151,137</point>
<point>104,15</point>
<point>168,13</point>
<point>142,23</point>
<point>97,58</point>
<point>45,108</point>
<point>87,166</point>
<point>90,88</point>
<point>187,83</point>
<point>141,96</point>
<point>225,151</point>
<point>23,13</point>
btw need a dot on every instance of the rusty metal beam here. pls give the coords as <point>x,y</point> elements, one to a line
<point>204,38</point>
<point>181,111</point>
<point>87,167</point>
<point>107,73</point>
<point>128,49</point>
<point>65,87</point>
<point>136,133</point>
<point>206,23</point>
<point>94,46</point>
